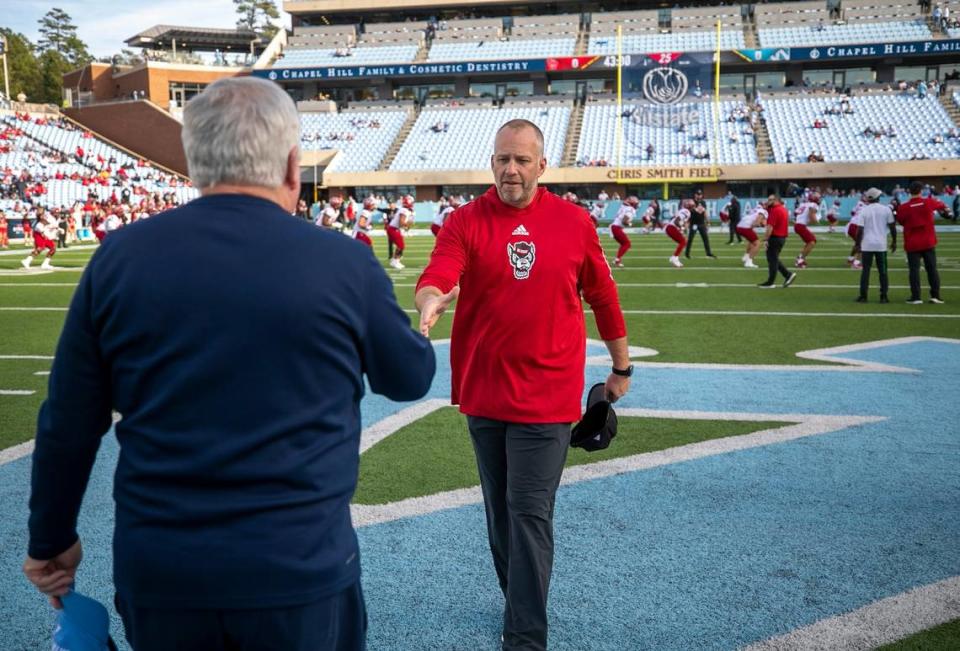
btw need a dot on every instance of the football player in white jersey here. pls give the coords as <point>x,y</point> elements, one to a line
<point>597,211</point>
<point>675,228</point>
<point>807,213</point>
<point>832,215</point>
<point>651,216</point>
<point>45,235</point>
<point>755,218</point>
<point>330,215</point>
<point>853,230</point>
<point>401,221</point>
<point>364,222</point>
<point>623,219</point>
<point>450,205</point>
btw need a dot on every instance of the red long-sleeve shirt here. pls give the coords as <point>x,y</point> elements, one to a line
<point>777,219</point>
<point>916,216</point>
<point>519,339</point>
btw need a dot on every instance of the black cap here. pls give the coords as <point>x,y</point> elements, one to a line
<point>599,423</point>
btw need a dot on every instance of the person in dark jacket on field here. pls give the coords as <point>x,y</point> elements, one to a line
<point>233,338</point>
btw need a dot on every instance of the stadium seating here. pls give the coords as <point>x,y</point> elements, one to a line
<point>793,24</point>
<point>506,49</point>
<point>598,137</point>
<point>692,30</point>
<point>362,146</point>
<point>467,142</point>
<point>790,120</point>
<point>42,144</point>
<point>352,57</point>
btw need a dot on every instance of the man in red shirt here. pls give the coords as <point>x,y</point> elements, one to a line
<point>920,240</point>
<point>519,257</point>
<point>775,237</point>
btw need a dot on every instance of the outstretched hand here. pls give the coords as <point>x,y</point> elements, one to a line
<point>433,307</point>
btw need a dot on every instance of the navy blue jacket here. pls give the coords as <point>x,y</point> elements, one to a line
<point>233,339</point>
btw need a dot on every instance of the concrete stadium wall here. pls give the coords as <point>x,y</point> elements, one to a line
<point>140,127</point>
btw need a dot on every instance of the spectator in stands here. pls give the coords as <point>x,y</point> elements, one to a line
<point>922,89</point>
<point>937,15</point>
<point>650,151</point>
<point>278,560</point>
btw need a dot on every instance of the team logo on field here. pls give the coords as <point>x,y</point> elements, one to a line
<point>522,255</point>
<point>665,85</point>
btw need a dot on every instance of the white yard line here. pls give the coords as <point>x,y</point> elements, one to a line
<point>892,315</point>
<point>16,392</point>
<point>805,425</point>
<point>876,624</point>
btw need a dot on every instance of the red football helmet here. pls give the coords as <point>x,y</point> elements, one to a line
<point>336,201</point>
<point>407,201</point>
<point>369,203</point>
<point>632,201</point>
<point>688,204</point>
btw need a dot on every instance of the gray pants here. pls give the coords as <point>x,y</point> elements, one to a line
<point>520,466</point>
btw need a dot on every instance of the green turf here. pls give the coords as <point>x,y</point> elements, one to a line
<point>434,454</point>
<point>646,283</point>
<point>945,637</point>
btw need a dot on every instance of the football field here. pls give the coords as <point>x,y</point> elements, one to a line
<point>785,475</point>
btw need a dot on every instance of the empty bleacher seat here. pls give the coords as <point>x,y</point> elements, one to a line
<point>467,142</point>
<point>790,120</point>
<point>362,146</point>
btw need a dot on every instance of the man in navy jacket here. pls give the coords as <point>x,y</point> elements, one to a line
<point>233,339</point>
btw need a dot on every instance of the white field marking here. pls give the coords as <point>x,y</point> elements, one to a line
<point>42,373</point>
<point>16,392</point>
<point>26,357</point>
<point>844,269</point>
<point>384,428</point>
<point>37,272</point>
<point>44,285</point>
<point>33,309</point>
<point>27,249</point>
<point>875,624</point>
<point>892,315</point>
<point>804,425</point>
<point>719,285</point>
<point>16,452</point>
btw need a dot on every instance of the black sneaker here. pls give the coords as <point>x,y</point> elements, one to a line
<point>862,299</point>
<point>766,285</point>
<point>790,279</point>
<point>934,299</point>
<point>914,301</point>
<point>884,299</point>
<point>712,256</point>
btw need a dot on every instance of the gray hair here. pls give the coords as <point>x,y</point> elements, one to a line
<point>240,130</point>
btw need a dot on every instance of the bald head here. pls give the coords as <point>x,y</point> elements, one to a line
<point>517,162</point>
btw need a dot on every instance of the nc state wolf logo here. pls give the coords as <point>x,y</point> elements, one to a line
<point>522,255</point>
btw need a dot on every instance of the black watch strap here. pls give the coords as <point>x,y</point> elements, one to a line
<point>627,372</point>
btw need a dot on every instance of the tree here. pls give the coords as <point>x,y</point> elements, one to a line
<point>59,34</point>
<point>24,69</point>
<point>53,66</point>
<point>256,15</point>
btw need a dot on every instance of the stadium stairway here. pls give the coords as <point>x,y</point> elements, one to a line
<point>583,41</point>
<point>401,137</point>
<point>423,52</point>
<point>572,142</point>
<point>762,140</point>
<point>750,38</point>
<point>946,100</point>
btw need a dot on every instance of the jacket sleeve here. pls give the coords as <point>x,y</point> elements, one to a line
<point>399,362</point>
<point>599,289</point>
<point>449,258</point>
<point>72,421</point>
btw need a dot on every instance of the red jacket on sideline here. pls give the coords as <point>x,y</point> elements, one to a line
<point>916,217</point>
<point>518,341</point>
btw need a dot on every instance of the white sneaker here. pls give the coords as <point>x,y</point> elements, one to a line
<point>46,264</point>
<point>744,257</point>
<point>749,265</point>
<point>26,262</point>
<point>393,263</point>
<point>400,265</point>
<point>675,261</point>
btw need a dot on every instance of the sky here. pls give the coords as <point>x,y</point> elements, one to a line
<point>104,25</point>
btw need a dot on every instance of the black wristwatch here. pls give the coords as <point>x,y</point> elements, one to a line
<point>623,372</point>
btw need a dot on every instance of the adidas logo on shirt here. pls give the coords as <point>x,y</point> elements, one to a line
<point>520,230</point>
